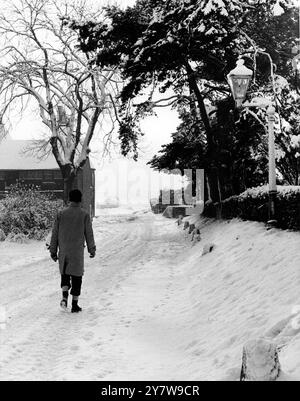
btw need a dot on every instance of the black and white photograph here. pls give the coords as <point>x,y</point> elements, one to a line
<point>149,193</point>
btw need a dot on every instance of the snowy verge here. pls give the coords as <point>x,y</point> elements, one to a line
<point>15,255</point>
<point>247,288</point>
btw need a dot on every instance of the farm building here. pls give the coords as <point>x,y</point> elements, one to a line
<point>19,165</point>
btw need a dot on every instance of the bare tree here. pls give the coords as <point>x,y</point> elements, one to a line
<point>40,61</point>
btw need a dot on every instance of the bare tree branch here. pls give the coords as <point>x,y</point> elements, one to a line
<point>40,60</point>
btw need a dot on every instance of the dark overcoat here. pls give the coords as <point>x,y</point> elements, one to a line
<point>71,229</point>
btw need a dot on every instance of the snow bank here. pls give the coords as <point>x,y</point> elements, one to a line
<point>15,255</point>
<point>258,191</point>
<point>123,210</point>
<point>247,288</point>
<point>121,214</point>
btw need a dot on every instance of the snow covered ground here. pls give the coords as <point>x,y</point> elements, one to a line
<point>154,307</point>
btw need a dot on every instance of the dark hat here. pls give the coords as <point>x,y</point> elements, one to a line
<point>75,196</point>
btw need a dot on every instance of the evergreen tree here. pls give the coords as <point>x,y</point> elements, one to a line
<point>177,53</point>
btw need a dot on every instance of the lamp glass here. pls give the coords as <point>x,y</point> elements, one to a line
<point>239,80</point>
<point>240,85</point>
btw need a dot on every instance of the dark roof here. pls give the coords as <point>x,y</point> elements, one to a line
<point>12,157</point>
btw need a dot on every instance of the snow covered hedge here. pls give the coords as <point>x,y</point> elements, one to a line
<point>27,212</point>
<point>253,205</point>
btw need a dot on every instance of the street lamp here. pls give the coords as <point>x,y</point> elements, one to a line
<point>239,80</point>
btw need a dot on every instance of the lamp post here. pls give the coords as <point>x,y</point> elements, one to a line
<point>239,80</point>
<point>272,164</point>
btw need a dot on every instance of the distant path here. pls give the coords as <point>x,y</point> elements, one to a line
<point>130,327</point>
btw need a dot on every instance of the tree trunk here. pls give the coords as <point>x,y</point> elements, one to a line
<point>207,196</point>
<point>182,188</point>
<point>212,173</point>
<point>69,180</point>
<point>213,179</point>
<point>68,186</point>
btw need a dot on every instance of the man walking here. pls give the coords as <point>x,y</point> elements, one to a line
<point>71,229</point>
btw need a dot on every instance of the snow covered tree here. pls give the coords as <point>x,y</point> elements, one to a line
<point>162,45</point>
<point>271,38</point>
<point>41,64</point>
<point>177,53</point>
<point>241,142</point>
<point>288,136</point>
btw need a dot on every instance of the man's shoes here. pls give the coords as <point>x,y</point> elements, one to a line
<point>75,307</point>
<point>64,304</point>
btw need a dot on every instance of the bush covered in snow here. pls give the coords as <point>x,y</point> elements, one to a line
<point>25,212</point>
<point>18,238</point>
<point>253,205</point>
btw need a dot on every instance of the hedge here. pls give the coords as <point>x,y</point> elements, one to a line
<point>27,213</point>
<point>253,204</point>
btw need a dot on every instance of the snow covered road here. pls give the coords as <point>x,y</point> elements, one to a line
<point>153,307</point>
<point>129,328</point>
